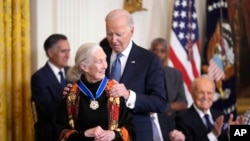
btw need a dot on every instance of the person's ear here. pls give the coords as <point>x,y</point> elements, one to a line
<point>132,30</point>
<point>50,53</point>
<point>84,67</point>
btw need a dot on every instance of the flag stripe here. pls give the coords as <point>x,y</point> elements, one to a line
<point>182,56</point>
<point>185,31</point>
<point>214,71</point>
<point>177,64</point>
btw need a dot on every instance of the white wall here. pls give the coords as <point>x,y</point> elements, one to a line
<point>83,21</point>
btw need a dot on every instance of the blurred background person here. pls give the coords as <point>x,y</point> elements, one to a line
<point>89,113</point>
<point>165,124</point>
<point>173,78</point>
<point>47,85</point>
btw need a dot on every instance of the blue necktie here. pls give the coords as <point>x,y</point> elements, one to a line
<point>116,68</point>
<point>156,134</point>
<point>63,81</point>
<point>209,124</point>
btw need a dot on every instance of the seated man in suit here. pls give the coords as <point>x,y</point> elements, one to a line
<point>47,85</point>
<point>200,122</point>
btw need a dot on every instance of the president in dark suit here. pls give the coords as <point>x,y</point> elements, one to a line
<point>141,74</point>
<point>200,122</point>
<point>47,85</point>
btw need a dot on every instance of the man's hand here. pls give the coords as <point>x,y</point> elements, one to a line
<point>218,124</point>
<point>176,135</point>
<point>119,90</point>
<point>238,121</point>
<point>66,89</point>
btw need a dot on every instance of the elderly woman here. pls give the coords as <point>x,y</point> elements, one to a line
<point>89,113</point>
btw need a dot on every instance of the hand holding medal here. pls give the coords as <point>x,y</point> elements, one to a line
<point>113,105</point>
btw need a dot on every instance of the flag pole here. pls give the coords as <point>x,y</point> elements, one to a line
<point>221,30</point>
<point>189,26</point>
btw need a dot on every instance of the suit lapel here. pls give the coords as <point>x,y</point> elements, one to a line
<point>198,121</point>
<point>52,78</point>
<point>168,81</point>
<point>130,64</point>
<point>108,52</point>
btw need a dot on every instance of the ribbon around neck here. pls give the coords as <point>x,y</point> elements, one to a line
<point>88,93</point>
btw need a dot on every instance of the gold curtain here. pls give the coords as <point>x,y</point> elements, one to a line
<point>16,122</point>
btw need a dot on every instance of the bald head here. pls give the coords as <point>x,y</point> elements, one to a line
<point>202,79</point>
<point>203,92</point>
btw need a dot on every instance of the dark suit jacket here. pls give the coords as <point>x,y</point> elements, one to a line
<point>190,123</point>
<point>47,95</point>
<point>144,75</point>
<point>174,85</point>
<point>167,124</point>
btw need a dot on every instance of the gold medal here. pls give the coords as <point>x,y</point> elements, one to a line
<point>94,105</point>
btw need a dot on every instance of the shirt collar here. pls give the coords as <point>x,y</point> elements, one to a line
<point>201,113</point>
<point>126,51</point>
<point>55,69</point>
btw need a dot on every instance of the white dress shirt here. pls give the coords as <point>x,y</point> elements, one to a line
<point>56,71</point>
<point>130,102</point>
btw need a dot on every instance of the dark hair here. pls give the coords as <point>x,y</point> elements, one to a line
<point>51,40</point>
<point>157,41</point>
<point>160,41</point>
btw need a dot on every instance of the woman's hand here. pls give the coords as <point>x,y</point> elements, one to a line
<point>99,134</point>
<point>94,132</point>
<point>107,135</point>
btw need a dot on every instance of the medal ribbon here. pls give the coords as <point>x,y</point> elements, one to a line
<point>88,93</point>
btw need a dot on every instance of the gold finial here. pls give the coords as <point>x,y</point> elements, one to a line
<point>133,5</point>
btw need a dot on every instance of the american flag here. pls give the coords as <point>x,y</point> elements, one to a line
<point>184,43</point>
<point>215,69</point>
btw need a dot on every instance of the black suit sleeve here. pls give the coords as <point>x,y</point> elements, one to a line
<point>43,97</point>
<point>154,98</point>
<point>125,120</point>
<point>190,130</point>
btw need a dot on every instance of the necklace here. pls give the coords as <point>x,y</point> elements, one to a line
<point>83,88</point>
